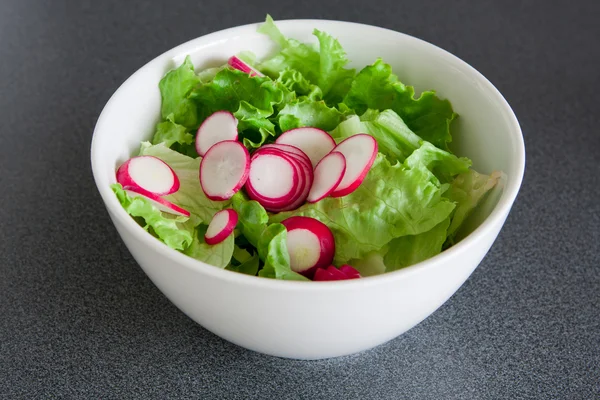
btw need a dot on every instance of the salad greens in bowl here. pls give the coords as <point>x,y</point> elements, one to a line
<point>258,152</point>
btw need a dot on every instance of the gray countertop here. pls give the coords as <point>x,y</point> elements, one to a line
<point>79,319</point>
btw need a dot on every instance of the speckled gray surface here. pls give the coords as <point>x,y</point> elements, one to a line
<point>79,319</point>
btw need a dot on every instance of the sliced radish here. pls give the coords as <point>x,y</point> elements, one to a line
<point>335,274</point>
<point>360,152</point>
<point>290,150</point>
<point>221,226</point>
<point>224,169</point>
<point>237,63</point>
<point>316,143</point>
<point>350,271</point>
<point>273,180</point>
<point>148,173</point>
<point>156,200</point>
<point>220,126</point>
<point>310,244</point>
<point>328,175</point>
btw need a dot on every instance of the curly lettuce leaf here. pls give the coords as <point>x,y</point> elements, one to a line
<point>175,88</point>
<point>244,262</point>
<point>443,164</point>
<point>394,200</point>
<point>218,254</point>
<point>296,83</point>
<point>428,116</point>
<point>277,258</point>
<point>250,99</point>
<point>394,138</point>
<point>252,218</point>
<point>467,191</point>
<point>190,195</point>
<point>169,229</point>
<point>323,67</point>
<point>411,249</point>
<point>309,113</point>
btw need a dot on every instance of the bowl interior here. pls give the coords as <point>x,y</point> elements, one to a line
<point>486,131</point>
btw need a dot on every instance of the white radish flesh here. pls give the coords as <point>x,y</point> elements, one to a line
<point>148,173</point>
<point>221,226</point>
<point>157,201</point>
<point>220,126</point>
<point>224,169</point>
<point>237,63</point>
<point>310,244</point>
<point>360,152</point>
<point>290,150</point>
<point>315,143</point>
<point>328,175</point>
<point>272,178</point>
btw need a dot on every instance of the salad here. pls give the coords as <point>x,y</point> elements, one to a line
<point>297,167</point>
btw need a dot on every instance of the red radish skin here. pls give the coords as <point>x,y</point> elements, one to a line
<point>288,149</point>
<point>237,63</point>
<point>157,201</point>
<point>336,273</point>
<point>316,143</point>
<point>148,173</point>
<point>219,126</point>
<point>311,244</point>
<point>328,175</point>
<point>224,170</point>
<point>322,275</point>
<point>273,180</point>
<point>360,152</point>
<point>350,271</point>
<point>221,226</point>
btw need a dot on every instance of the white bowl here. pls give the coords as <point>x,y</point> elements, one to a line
<point>326,319</point>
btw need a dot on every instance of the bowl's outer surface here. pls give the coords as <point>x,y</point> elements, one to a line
<point>326,319</point>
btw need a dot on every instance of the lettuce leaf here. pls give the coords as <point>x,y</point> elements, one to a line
<point>218,254</point>
<point>175,88</point>
<point>394,138</point>
<point>252,218</point>
<point>323,67</point>
<point>190,195</point>
<point>394,200</point>
<point>169,229</point>
<point>443,164</point>
<point>295,82</point>
<point>411,249</point>
<point>309,113</point>
<point>428,116</point>
<point>244,262</point>
<point>250,99</point>
<point>467,191</point>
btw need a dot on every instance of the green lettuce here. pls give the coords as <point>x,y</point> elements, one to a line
<point>296,83</point>
<point>467,191</point>
<point>175,88</point>
<point>309,113</point>
<point>411,249</point>
<point>394,200</point>
<point>244,262</point>
<point>218,254</point>
<point>169,229</point>
<point>323,67</point>
<point>428,116</point>
<point>190,195</point>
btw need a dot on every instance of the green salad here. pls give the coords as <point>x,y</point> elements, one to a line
<point>408,205</point>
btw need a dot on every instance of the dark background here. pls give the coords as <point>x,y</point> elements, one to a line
<point>79,319</point>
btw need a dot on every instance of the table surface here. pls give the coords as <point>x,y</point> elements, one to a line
<point>80,319</point>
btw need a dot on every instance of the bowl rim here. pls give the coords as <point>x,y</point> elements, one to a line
<point>500,211</point>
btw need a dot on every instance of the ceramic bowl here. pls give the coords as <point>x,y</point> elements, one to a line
<point>308,320</point>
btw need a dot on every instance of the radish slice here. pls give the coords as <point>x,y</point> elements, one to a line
<point>221,226</point>
<point>156,200</point>
<point>323,275</point>
<point>273,180</point>
<point>316,143</point>
<point>349,271</point>
<point>224,169</point>
<point>360,152</point>
<point>336,273</point>
<point>290,150</point>
<point>148,173</point>
<point>305,174</point>
<point>220,126</point>
<point>328,175</point>
<point>304,181</point>
<point>238,64</point>
<point>310,244</point>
